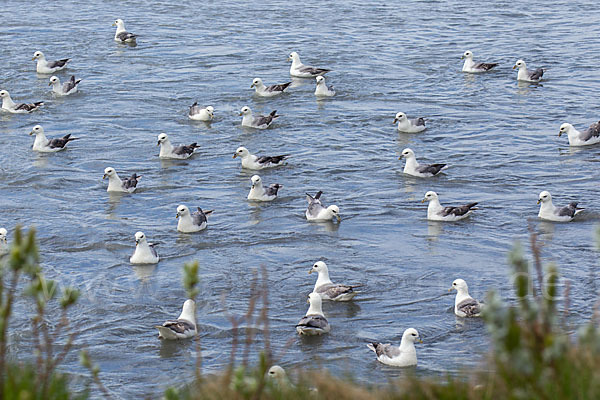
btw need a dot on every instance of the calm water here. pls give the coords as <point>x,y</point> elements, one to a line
<point>499,138</point>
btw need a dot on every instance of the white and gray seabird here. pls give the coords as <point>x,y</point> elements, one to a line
<point>464,305</point>
<point>67,88</point>
<point>121,34</point>
<point>115,184</point>
<point>250,161</point>
<point>3,241</point>
<point>590,136</point>
<point>44,145</point>
<point>258,122</point>
<point>314,322</point>
<point>329,290</point>
<point>525,75</point>
<point>403,356</point>
<point>260,193</point>
<point>550,212</point>
<point>473,67</point>
<point>167,150</point>
<point>48,67</point>
<point>316,212</point>
<point>412,167</point>
<point>144,253</point>
<point>437,212</point>
<point>268,91</point>
<point>198,113</point>
<point>299,70</point>
<point>17,108</point>
<point>322,90</point>
<point>409,125</point>
<point>191,222</point>
<point>183,327</point>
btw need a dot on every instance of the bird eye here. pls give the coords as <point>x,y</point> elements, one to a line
<point>414,334</point>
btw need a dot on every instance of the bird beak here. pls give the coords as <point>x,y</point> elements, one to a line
<point>137,242</point>
<point>104,176</point>
<point>420,340</point>
<point>395,120</point>
<point>241,114</point>
<point>514,66</point>
<point>30,133</point>
<point>449,290</point>
<point>423,201</point>
<point>49,83</point>
<point>289,58</point>
<point>539,201</point>
<point>251,86</point>
<point>114,24</point>
<point>401,156</point>
<point>33,59</point>
<point>253,186</point>
<point>339,219</point>
<point>308,300</point>
<point>234,155</point>
<point>310,271</point>
<point>158,144</point>
<point>559,133</point>
<point>176,215</point>
<point>462,57</point>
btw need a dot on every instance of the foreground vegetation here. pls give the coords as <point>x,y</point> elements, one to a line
<point>533,354</point>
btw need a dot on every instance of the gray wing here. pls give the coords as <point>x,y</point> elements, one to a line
<point>485,66</point>
<point>131,182</point>
<point>28,106</point>
<point>182,149</point>
<point>314,205</point>
<point>433,169</point>
<point>313,321</point>
<point>272,189</point>
<point>334,291</point>
<point>179,325</point>
<point>271,159</point>
<point>152,249</point>
<point>199,217</point>
<point>58,63</point>
<point>470,307</point>
<point>278,88</point>
<point>567,210</point>
<point>592,131</point>
<point>265,119</point>
<point>194,109</point>
<point>59,142</point>
<point>313,70</point>
<point>418,121</point>
<point>386,349</point>
<point>123,36</point>
<point>458,211</point>
<point>70,84</point>
<point>537,74</point>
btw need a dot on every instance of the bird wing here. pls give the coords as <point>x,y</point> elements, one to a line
<point>470,307</point>
<point>28,106</point>
<point>485,66</point>
<point>418,121</point>
<point>123,36</point>
<point>459,210</point>
<point>567,211</point>
<point>70,84</point>
<point>537,74</point>
<point>386,349</point>
<point>58,63</point>
<point>313,70</point>
<point>333,291</point>
<point>278,88</point>
<point>179,325</point>
<point>59,142</point>
<point>131,182</point>
<point>183,149</point>
<point>199,217</point>
<point>592,131</point>
<point>313,321</point>
<point>433,169</point>
<point>272,189</point>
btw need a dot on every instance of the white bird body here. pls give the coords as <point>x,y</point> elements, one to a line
<point>250,161</point>
<point>116,184</point>
<point>268,91</point>
<point>437,212</point>
<point>327,289</point>
<point>43,145</point>
<point>317,213</point>
<point>3,241</point>
<point>403,356</point>
<point>48,67</point>
<point>322,90</point>
<point>412,167</point>
<point>180,152</point>
<point>472,67</point>
<point>65,89</point>
<point>17,108</point>
<point>300,70</point>
<point>259,193</point>
<point>198,113</point>
<point>588,137</point>
<point>121,34</point>
<point>144,252</point>
<point>259,122</point>
<point>528,76</point>
<point>550,212</point>
<point>407,125</point>
<point>314,321</point>
<point>191,222</point>
<point>183,327</point>
<point>464,305</point>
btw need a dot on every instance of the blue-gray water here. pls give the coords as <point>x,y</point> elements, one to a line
<point>499,138</point>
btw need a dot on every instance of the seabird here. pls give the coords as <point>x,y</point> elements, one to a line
<point>144,253</point>
<point>115,184</point>
<point>409,125</point>
<point>48,67</point>
<point>403,356</point>
<point>590,136</point>
<point>473,67</point>
<point>464,304</point>
<point>183,327</point>
<point>437,212</point>
<point>260,122</point>
<point>45,145</point>
<point>167,150</point>
<point>121,35</point>
<point>327,289</point>
<point>527,76</point>
<point>268,91</point>
<point>250,161</point>
<point>3,241</point>
<point>300,70</point>
<point>412,167</point>
<point>201,114</point>
<point>551,213</point>
<point>316,211</point>
<point>322,90</point>
<point>259,193</point>
<point>17,108</point>
<point>65,89</point>
<point>191,222</point>
<point>314,322</point>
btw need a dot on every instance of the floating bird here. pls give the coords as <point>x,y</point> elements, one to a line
<point>191,222</point>
<point>409,125</point>
<point>250,161</point>
<point>260,122</point>
<point>48,67</point>
<point>144,253</point>
<point>17,108</point>
<point>259,193</point>
<point>412,167</point>
<point>183,327</point>
<point>551,213</point>
<point>527,76</point>
<point>121,35</point>
<point>279,377</point>
<point>65,89</point>
<point>327,289</point>
<point>201,114</point>
<point>45,145</point>
<point>314,322</point>
<point>473,67</point>
<point>436,212</point>
<point>322,90</point>
<point>268,91</point>
<point>167,150</point>
<point>403,356</point>
<point>115,184</point>
<point>590,136</point>
<point>3,241</point>
<point>300,70</point>
<point>316,211</point>
<point>464,305</point>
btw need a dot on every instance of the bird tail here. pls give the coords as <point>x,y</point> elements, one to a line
<point>39,103</point>
<point>372,346</point>
<point>206,212</point>
<point>165,333</point>
<point>195,145</point>
<point>471,206</point>
<point>274,114</point>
